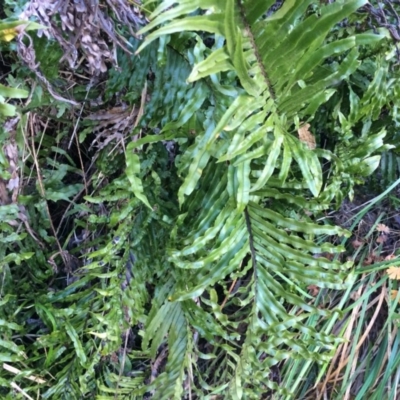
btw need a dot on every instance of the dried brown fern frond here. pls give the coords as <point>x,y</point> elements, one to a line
<point>85,28</point>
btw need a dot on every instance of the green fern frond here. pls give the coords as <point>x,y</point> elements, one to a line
<point>244,166</point>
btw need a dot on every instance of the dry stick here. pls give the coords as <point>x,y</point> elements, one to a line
<point>22,391</point>
<point>80,115</point>
<point>343,363</point>
<point>121,370</point>
<point>342,349</point>
<point>16,371</point>
<point>142,105</point>
<point>371,323</point>
<point>138,117</point>
<point>388,353</point>
<point>76,125</point>
<point>352,369</point>
<point>369,327</point>
<point>23,51</point>
<point>228,294</point>
<point>230,289</point>
<point>155,366</point>
<point>22,215</point>
<point>43,194</point>
<point>344,353</point>
<point>82,166</point>
<point>385,358</point>
<point>78,195</point>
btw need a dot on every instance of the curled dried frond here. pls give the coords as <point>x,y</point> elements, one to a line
<point>112,124</point>
<point>86,28</point>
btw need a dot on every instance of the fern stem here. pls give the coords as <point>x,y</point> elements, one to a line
<point>251,242</point>
<point>256,52</point>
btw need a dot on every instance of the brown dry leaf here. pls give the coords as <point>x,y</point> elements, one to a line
<point>369,260</point>
<point>356,243</point>
<point>11,152</point>
<point>4,197</point>
<point>383,228</point>
<point>393,294</point>
<point>313,290</point>
<point>88,31</point>
<point>306,136</point>
<point>382,239</point>
<point>393,272</point>
<point>329,256</point>
<point>354,295</point>
<point>112,124</point>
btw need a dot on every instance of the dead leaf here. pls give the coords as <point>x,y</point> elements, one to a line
<point>313,290</point>
<point>382,239</point>
<point>356,243</point>
<point>393,294</point>
<point>369,260</point>
<point>112,124</point>
<point>88,32</point>
<point>329,256</point>
<point>4,197</point>
<point>390,257</point>
<point>354,295</point>
<point>393,272</point>
<point>383,228</point>
<point>306,136</point>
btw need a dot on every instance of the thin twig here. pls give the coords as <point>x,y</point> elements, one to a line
<point>228,294</point>
<point>16,371</point>
<point>121,370</point>
<point>82,166</point>
<point>22,391</point>
<point>43,192</point>
<point>80,115</point>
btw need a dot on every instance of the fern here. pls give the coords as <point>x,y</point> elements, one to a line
<point>243,160</point>
<point>194,283</point>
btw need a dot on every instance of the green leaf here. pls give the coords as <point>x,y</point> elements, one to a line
<point>230,28</point>
<point>240,65</point>
<point>210,23</point>
<point>7,110</point>
<point>369,165</point>
<point>271,162</point>
<point>13,92</point>
<point>132,172</point>
<point>217,61</point>
<point>7,344</point>
<point>76,342</point>
<point>309,165</point>
<point>243,178</point>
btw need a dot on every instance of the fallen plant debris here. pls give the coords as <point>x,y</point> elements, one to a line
<point>306,136</point>
<point>166,229</point>
<point>393,272</point>
<point>84,23</point>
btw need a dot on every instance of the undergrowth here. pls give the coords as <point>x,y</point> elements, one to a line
<point>185,200</point>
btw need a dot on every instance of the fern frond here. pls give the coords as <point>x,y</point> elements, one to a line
<point>241,175</point>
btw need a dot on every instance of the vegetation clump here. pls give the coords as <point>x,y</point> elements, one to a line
<point>180,199</point>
